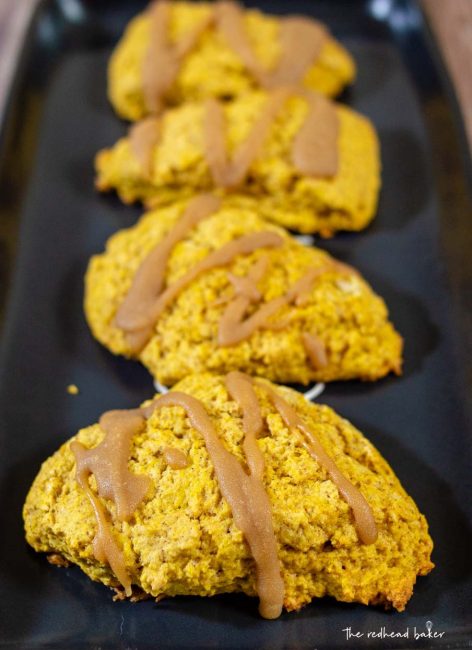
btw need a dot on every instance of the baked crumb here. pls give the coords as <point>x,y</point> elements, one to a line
<point>212,68</point>
<point>57,560</point>
<point>183,539</point>
<point>353,324</point>
<point>273,187</point>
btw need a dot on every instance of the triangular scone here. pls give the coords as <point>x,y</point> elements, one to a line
<point>332,185</point>
<point>278,309</point>
<point>215,457</point>
<point>206,64</point>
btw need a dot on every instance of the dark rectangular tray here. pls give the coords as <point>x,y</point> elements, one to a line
<point>416,254</point>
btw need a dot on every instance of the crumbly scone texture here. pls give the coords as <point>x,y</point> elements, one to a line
<point>182,539</point>
<point>342,310</point>
<point>212,68</point>
<point>347,201</point>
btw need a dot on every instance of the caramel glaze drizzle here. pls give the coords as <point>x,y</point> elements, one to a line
<point>143,137</point>
<point>144,304</point>
<point>230,173</point>
<point>175,458</point>
<point>233,328</point>
<point>301,40</point>
<point>148,283</point>
<point>363,517</point>
<point>315,350</point>
<point>246,497</point>
<point>242,392</point>
<point>245,285</point>
<point>162,61</point>
<point>258,529</point>
<point>108,462</point>
<point>314,149</point>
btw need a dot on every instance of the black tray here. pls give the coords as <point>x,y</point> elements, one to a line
<point>416,254</point>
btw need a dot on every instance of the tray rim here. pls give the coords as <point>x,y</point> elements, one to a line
<point>20,57</point>
<point>448,93</point>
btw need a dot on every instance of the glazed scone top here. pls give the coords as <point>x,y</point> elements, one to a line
<point>216,50</point>
<point>174,163</point>
<point>185,537</point>
<point>243,489</point>
<point>339,308</point>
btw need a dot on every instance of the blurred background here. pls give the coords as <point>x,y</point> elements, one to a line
<point>450,22</point>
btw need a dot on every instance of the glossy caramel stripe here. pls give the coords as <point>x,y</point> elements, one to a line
<point>242,392</point>
<point>143,137</point>
<point>263,543</point>
<point>301,40</point>
<point>148,283</point>
<point>233,328</point>
<point>315,350</point>
<point>246,285</point>
<point>108,462</point>
<point>363,516</point>
<point>315,150</point>
<point>175,458</point>
<point>315,147</point>
<point>230,173</point>
<point>162,62</point>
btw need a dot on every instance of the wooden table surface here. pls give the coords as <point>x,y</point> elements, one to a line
<point>14,19</point>
<point>450,20</point>
<point>451,23</point>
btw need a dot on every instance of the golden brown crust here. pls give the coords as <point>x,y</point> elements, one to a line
<point>183,540</point>
<point>212,68</point>
<point>57,560</point>
<point>274,186</point>
<point>343,312</point>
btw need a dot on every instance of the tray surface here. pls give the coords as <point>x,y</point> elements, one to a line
<point>59,117</point>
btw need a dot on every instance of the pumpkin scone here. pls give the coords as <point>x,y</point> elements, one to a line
<point>228,484</point>
<point>307,164</point>
<point>208,286</point>
<point>184,51</point>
